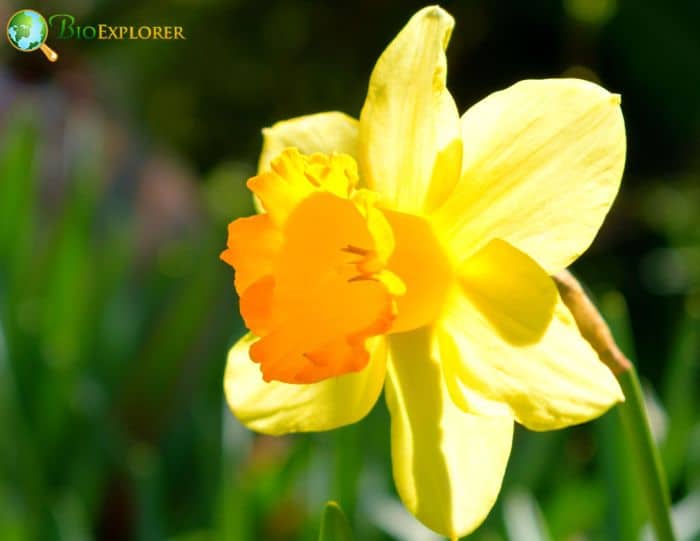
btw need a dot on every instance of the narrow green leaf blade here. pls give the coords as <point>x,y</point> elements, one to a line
<point>334,524</point>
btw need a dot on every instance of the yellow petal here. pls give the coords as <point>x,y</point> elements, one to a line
<point>329,133</point>
<point>518,345</point>
<point>511,291</point>
<point>542,164</point>
<point>279,408</point>
<point>409,126</point>
<point>448,465</point>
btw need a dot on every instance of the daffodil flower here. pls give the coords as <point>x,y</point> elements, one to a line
<point>412,251</point>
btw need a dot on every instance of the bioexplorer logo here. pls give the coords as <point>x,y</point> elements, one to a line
<point>65,26</point>
<point>27,31</point>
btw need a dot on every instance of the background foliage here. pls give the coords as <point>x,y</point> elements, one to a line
<point>120,167</point>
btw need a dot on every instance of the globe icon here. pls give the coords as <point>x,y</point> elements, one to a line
<point>27,31</point>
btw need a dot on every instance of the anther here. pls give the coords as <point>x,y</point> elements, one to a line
<point>356,250</point>
<point>361,277</point>
<point>312,179</point>
<point>310,358</point>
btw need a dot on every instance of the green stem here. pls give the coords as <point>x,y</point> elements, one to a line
<point>646,455</point>
<point>632,412</point>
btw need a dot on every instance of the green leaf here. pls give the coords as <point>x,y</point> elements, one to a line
<point>17,189</point>
<point>334,525</point>
<point>680,395</point>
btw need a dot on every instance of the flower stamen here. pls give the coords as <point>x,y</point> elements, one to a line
<point>313,180</point>
<point>350,249</point>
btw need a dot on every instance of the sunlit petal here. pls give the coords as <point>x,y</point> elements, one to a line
<point>409,127</point>
<point>448,465</point>
<point>542,164</point>
<point>552,382</point>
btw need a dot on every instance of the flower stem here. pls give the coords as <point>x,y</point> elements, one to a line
<point>647,460</point>
<point>632,412</point>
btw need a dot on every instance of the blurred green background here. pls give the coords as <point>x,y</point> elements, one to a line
<point>120,167</point>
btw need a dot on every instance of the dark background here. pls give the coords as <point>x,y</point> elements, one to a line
<point>120,166</point>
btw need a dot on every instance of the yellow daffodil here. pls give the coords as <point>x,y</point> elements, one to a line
<point>412,250</point>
